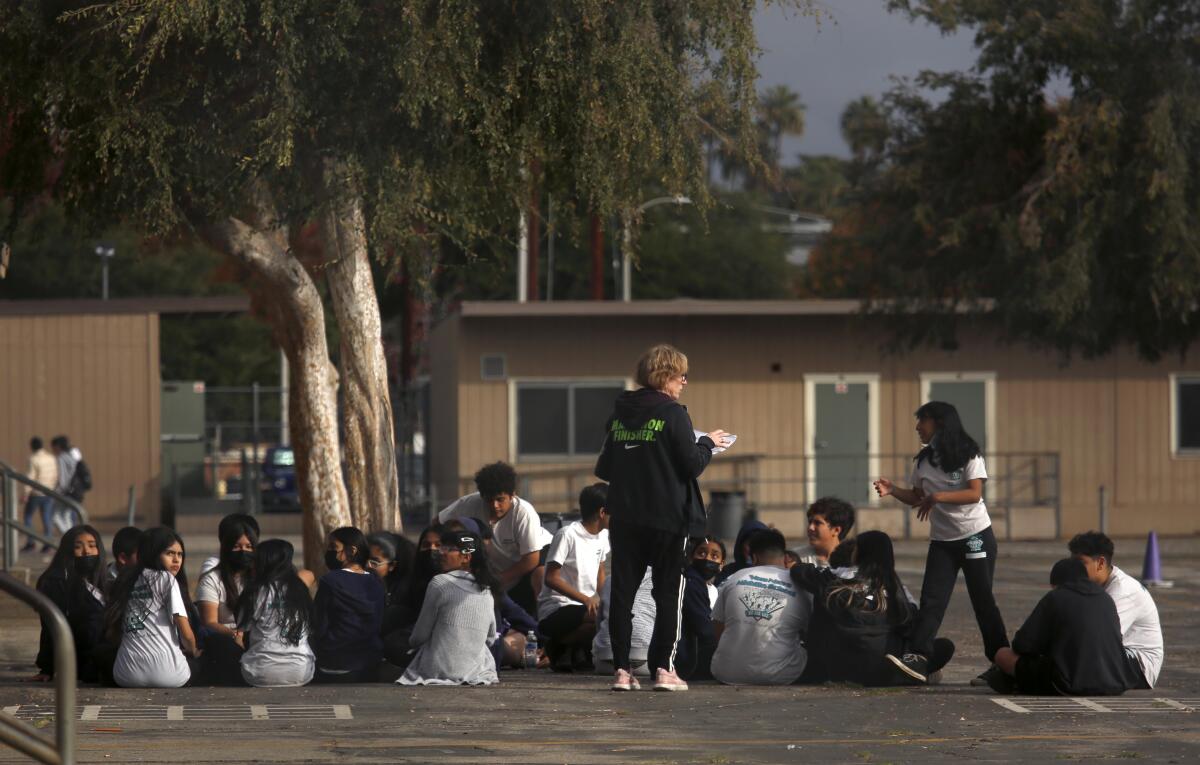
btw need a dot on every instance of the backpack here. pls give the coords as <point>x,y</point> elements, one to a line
<point>81,481</point>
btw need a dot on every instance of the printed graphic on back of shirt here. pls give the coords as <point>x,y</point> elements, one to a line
<point>760,604</point>
<point>648,432</point>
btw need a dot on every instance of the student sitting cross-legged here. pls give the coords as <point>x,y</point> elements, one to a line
<point>570,599</point>
<point>217,594</point>
<point>273,617</point>
<point>760,619</point>
<point>639,640</point>
<point>697,640</point>
<point>1070,645</point>
<point>74,581</point>
<point>458,619</point>
<point>347,612</point>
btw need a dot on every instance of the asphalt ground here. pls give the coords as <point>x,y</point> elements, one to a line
<point>542,717</point>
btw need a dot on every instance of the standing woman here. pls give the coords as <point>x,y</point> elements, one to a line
<point>651,459</point>
<point>458,619</point>
<point>217,595</point>
<point>348,612</point>
<point>148,613</point>
<point>74,580</point>
<point>947,490</point>
<point>274,614</point>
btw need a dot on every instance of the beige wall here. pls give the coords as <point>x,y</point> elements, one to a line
<point>94,378</point>
<point>1107,419</point>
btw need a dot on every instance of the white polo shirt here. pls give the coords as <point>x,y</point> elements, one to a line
<point>1141,632</point>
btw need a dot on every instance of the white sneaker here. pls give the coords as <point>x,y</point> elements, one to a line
<point>668,681</point>
<point>624,680</point>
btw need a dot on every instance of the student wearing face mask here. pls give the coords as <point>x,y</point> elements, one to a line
<point>697,641</point>
<point>216,598</point>
<point>348,612</point>
<point>74,582</point>
<point>399,623</point>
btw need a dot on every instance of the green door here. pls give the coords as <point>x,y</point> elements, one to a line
<point>970,399</point>
<point>841,443</point>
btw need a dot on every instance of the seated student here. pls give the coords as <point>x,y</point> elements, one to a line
<point>392,560</point>
<point>124,553</point>
<point>148,613</point>
<point>741,551</point>
<point>574,574</point>
<point>347,612</point>
<point>458,620</point>
<point>697,639</point>
<point>1069,645</point>
<point>216,598</point>
<point>1141,632</point>
<point>211,561</point>
<point>861,613</point>
<point>829,521</point>
<point>274,614</point>
<point>74,581</point>
<point>426,566</point>
<point>643,628</point>
<point>760,619</point>
<point>518,539</point>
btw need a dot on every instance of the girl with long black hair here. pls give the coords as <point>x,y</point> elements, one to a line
<point>348,612</point>
<point>217,595</point>
<point>74,580</point>
<point>274,614</point>
<point>947,489</point>
<point>458,619</point>
<point>148,614</point>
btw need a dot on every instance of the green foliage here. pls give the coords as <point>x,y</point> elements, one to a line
<point>1073,222</point>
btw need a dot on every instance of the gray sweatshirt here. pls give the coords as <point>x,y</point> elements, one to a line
<point>452,634</point>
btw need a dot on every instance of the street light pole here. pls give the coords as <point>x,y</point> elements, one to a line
<point>627,242</point>
<point>105,252</point>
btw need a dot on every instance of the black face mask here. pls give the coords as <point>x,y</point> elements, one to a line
<point>706,568</point>
<point>241,560</point>
<point>426,565</point>
<point>331,560</point>
<point>85,565</point>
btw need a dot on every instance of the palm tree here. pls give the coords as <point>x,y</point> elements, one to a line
<point>780,113</point>
<point>865,128</point>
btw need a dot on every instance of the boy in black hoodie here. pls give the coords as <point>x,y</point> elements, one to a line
<point>651,460</point>
<point>1070,645</point>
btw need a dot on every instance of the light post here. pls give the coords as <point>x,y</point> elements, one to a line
<point>105,252</point>
<point>626,249</point>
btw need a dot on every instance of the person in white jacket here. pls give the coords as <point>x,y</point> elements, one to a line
<point>457,623</point>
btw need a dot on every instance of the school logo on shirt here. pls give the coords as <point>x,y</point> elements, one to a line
<point>956,476</point>
<point>975,543</point>
<point>760,605</point>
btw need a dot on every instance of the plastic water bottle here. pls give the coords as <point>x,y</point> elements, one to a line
<point>531,646</point>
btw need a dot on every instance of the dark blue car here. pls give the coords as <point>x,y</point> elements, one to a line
<point>278,481</point>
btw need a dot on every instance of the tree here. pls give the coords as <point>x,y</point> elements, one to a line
<point>864,128</point>
<point>392,125</point>
<point>780,113</point>
<point>1072,224</point>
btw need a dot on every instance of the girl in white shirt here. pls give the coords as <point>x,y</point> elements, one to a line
<point>148,613</point>
<point>274,615</point>
<point>947,489</point>
<point>216,598</point>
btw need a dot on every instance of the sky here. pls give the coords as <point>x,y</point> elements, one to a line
<point>852,51</point>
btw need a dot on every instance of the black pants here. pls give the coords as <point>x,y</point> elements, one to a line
<point>976,557</point>
<point>633,549</point>
<point>221,662</point>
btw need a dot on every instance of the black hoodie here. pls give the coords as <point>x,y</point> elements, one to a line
<point>651,459</point>
<point>1076,625</point>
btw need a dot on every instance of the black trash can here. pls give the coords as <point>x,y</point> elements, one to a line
<point>726,514</point>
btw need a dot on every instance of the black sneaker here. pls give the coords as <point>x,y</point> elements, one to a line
<point>912,664</point>
<point>999,682</point>
<point>984,679</point>
<point>581,660</point>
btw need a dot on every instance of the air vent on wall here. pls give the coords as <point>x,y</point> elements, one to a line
<point>493,367</point>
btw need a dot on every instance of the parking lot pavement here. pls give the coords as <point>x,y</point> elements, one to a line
<point>540,717</point>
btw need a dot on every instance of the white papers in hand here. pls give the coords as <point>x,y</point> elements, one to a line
<point>729,439</point>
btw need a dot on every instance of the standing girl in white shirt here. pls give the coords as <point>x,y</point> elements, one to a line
<point>947,489</point>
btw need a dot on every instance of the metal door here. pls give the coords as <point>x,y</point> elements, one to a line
<point>970,399</point>
<point>841,443</point>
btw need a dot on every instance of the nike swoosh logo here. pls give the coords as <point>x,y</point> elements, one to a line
<point>632,446</point>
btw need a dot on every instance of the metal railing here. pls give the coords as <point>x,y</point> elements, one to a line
<point>9,478</point>
<point>20,735</point>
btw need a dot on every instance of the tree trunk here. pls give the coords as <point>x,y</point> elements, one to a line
<point>367,430</point>
<point>294,310</point>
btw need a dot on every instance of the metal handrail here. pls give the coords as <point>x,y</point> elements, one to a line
<point>9,521</point>
<point>19,734</point>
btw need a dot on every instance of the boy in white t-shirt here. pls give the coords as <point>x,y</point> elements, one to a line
<point>1141,631</point>
<point>570,599</point>
<point>760,619</point>
<point>947,489</point>
<point>518,539</point>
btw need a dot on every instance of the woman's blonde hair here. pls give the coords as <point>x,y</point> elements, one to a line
<point>660,364</point>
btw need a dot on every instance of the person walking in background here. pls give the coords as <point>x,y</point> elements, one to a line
<point>74,486</point>
<point>43,468</point>
<point>651,459</point>
<point>947,489</point>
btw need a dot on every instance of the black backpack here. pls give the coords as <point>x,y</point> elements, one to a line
<point>81,481</point>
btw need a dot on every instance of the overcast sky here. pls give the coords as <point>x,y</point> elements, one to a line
<point>852,52</point>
